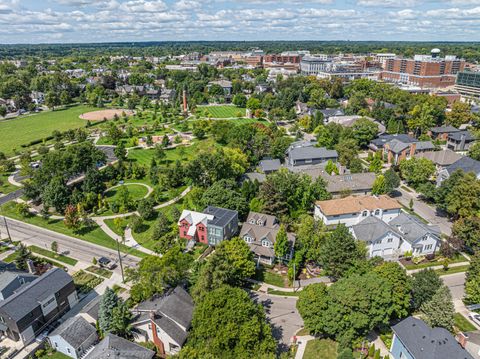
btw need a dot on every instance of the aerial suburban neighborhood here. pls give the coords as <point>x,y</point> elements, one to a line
<point>181,196</point>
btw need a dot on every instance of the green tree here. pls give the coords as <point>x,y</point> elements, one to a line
<point>401,287</point>
<point>120,152</point>
<point>120,320</point>
<point>417,171</point>
<point>253,104</point>
<point>282,246</point>
<point>312,304</point>
<point>240,100</point>
<point>145,208</point>
<point>376,164</point>
<point>472,282</point>
<point>22,258</point>
<point>424,285</point>
<point>247,333</point>
<point>311,235</point>
<point>224,194</point>
<point>439,310</point>
<point>463,200</point>
<point>364,131</point>
<point>339,252</point>
<point>52,100</point>
<point>421,118</point>
<point>379,186</point>
<point>108,303</point>
<point>392,180</point>
<point>467,231</point>
<point>56,194</point>
<point>54,247</point>
<point>161,227</point>
<point>347,151</point>
<point>93,181</point>
<point>345,354</point>
<point>460,113</point>
<point>474,151</point>
<point>331,168</point>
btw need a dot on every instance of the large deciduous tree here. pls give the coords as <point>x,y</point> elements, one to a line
<point>417,171</point>
<point>472,283</point>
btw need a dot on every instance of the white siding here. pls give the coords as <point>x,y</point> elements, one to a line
<point>385,247</point>
<point>60,345</point>
<point>352,219</point>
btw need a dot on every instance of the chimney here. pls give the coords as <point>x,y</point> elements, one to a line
<point>413,148</point>
<point>462,339</point>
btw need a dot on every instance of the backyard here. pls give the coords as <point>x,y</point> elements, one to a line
<point>321,348</point>
<point>24,129</point>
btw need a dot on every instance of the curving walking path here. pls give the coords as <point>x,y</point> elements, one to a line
<point>149,189</point>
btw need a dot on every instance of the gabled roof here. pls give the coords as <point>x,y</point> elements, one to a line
<point>24,301</point>
<point>92,307</point>
<point>75,331</point>
<point>424,342</point>
<point>194,218</point>
<point>397,146</point>
<point>328,112</point>
<point>269,220</point>
<point>441,158</point>
<point>371,229</point>
<point>381,140</point>
<point>444,129</point>
<point>11,281</point>
<point>270,165</point>
<point>460,135</point>
<point>411,228</point>
<point>310,152</point>
<point>467,164</point>
<point>354,204</point>
<point>115,347</point>
<point>424,145</point>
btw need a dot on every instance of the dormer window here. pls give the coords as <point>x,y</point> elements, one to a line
<point>364,213</point>
<point>265,243</point>
<point>377,212</point>
<point>260,222</point>
<point>247,239</point>
<point>252,221</point>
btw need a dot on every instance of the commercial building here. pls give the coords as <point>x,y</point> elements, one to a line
<point>468,84</point>
<point>425,71</point>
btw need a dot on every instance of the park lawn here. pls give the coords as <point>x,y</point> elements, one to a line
<point>320,348</point>
<point>462,323</point>
<point>283,293</point>
<point>224,111</point>
<point>136,192</point>
<point>111,224</point>
<point>242,121</point>
<point>50,254</point>
<point>94,235</point>
<point>24,129</point>
<point>5,186</point>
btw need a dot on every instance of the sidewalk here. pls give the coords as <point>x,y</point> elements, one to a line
<point>453,265</point>
<point>302,345</point>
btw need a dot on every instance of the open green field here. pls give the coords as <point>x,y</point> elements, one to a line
<point>22,130</point>
<point>223,111</point>
<point>94,235</point>
<point>320,348</point>
<point>242,121</point>
<point>136,192</point>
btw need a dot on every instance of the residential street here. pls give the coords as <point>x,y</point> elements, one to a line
<point>425,211</point>
<point>76,248</point>
<point>283,315</point>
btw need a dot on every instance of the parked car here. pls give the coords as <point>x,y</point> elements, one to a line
<point>106,263</point>
<point>475,317</point>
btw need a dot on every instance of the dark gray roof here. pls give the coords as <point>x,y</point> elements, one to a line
<point>171,328</point>
<point>252,176</point>
<point>458,136</point>
<point>75,331</point>
<point>371,229</point>
<point>7,266</point>
<point>424,342</point>
<point>270,165</point>
<point>92,307</point>
<point>467,164</point>
<point>328,112</point>
<point>24,301</point>
<point>444,129</point>
<point>397,146</point>
<point>412,228</point>
<point>381,140</point>
<point>310,152</point>
<point>113,347</point>
<point>424,145</point>
<point>222,216</point>
<point>11,281</point>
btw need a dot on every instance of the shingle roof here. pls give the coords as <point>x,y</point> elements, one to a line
<point>411,228</point>
<point>332,112</point>
<point>92,307</point>
<point>113,347</point>
<point>310,152</point>
<point>441,158</point>
<point>270,165</point>
<point>458,136</point>
<point>75,331</point>
<point>381,140</point>
<point>444,129</point>
<point>11,281</point>
<point>371,229</point>
<point>25,300</point>
<point>424,342</point>
<point>354,204</point>
<point>424,145</point>
<point>171,328</point>
<point>397,146</point>
<point>467,164</point>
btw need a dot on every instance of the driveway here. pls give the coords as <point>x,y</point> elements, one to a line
<point>282,314</point>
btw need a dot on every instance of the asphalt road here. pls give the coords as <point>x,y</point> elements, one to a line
<point>456,283</point>
<point>11,196</point>
<point>283,315</point>
<point>76,248</point>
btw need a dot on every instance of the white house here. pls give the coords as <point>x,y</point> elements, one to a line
<point>403,234</point>
<point>74,337</point>
<point>352,210</point>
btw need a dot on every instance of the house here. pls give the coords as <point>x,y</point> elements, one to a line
<point>349,121</point>
<point>442,132</point>
<point>224,84</point>
<point>442,158</point>
<point>30,310</point>
<point>331,112</point>
<point>37,97</point>
<point>466,164</point>
<point>268,165</point>
<point>460,141</point>
<point>165,320</point>
<point>260,232</point>
<point>302,109</point>
<point>167,95</point>
<point>11,281</point>
<point>211,226</point>
<point>352,210</point>
<point>402,234</point>
<point>305,153</point>
<point>115,347</point>
<point>414,339</point>
<point>399,147</point>
<point>74,337</point>
<point>90,311</point>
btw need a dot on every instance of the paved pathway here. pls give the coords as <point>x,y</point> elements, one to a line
<point>149,189</point>
<point>302,345</point>
<point>452,265</point>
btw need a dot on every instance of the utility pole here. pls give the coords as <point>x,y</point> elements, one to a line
<point>120,257</point>
<point>8,231</point>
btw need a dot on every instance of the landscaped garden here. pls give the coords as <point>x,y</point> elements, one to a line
<point>320,348</point>
<point>420,262</point>
<point>102,272</point>
<point>86,282</point>
<point>269,276</point>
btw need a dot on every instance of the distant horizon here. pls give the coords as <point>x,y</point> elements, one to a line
<point>30,22</point>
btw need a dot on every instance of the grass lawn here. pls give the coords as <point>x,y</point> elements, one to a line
<point>102,272</point>
<point>283,293</point>
<point>224,111</point>
<point>462,323</point>
<point>136,192</point>
<point>50,254</point>
<point>94,235</point>
<point>241,121</point>
<point>303,332</point>
<point>5,186</point>
<point>24,129</point>
<point>457,258</point>
<point>264,275</point>
<point>85,282</point>
<point>54,355</point>
<point>459,269</point>
<point>11,257</point>
<point>321,348</point>
<point>111,224</point>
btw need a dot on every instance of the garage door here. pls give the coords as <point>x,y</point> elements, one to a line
<point>388,251</point>
<point>377,253</point>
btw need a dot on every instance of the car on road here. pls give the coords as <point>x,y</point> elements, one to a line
<point>106,263</point>
<point>475,317</point>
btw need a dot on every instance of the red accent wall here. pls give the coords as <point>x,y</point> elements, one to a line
<point>156,340</point>
<point>202,233</point>
<point>183,230</point>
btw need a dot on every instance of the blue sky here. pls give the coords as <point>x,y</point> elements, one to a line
<point>39,21</point>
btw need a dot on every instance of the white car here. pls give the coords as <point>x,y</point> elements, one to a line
<point>475,317</point>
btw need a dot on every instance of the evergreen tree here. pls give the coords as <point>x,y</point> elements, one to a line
<point>281,243</point>
<point>22,258</point>
<point>108,303</point>
<point>439,310</point>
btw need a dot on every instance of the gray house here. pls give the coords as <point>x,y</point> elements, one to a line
<point>466,164</point>
<point>115,347</point>
<point>74,337</point>
<point>25,314</point>
<point>306,153</point>
<point>460,141</point>
<point>270,165</point>
<point>414,339</point>
<point>11,281</point>
<point>224,224</point>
